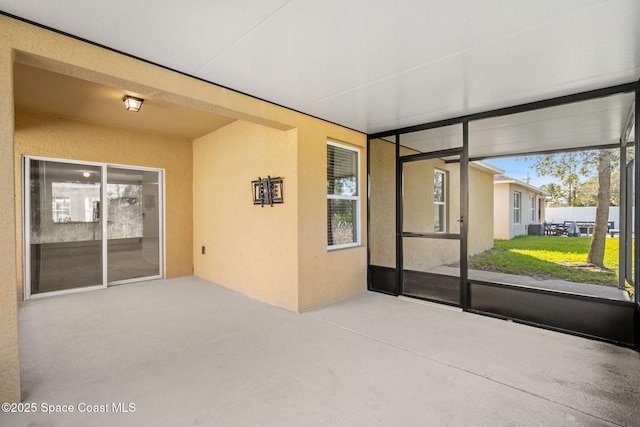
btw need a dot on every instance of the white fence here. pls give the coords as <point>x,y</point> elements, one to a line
<point>560,215</point>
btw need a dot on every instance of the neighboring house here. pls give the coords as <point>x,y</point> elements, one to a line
<point>516,205</point>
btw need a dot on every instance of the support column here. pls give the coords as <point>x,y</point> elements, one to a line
<point>464,217</point>
<point>9,354</point>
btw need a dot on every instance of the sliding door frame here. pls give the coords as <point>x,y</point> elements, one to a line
<point>161,225</point>
<point>26,225</point>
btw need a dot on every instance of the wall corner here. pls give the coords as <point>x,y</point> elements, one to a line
<point>9,351</point>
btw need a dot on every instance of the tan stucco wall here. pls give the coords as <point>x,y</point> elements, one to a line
<point>9,351</point>
<point>278,254</point>
<point>225,162</point>
<point>326,276</point>
<point>382,197</point>
<point>480,211</point>
<point>48,136</point>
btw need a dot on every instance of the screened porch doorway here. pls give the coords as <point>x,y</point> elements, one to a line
<point>432,224</point>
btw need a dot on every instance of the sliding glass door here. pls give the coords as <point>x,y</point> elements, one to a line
<point>69,209</point>
<point>133,224</point>
<point>63,228</point>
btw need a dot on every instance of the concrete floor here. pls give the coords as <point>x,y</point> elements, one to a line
<point>188,352</point>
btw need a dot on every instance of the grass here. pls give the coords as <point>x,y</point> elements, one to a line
<point>546,257</point>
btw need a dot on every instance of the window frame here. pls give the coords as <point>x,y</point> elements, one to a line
<point>60,208</point>
<point>444,203</point>
<point>356,198</point>
<point>517,207</point>
<point>534,200</point>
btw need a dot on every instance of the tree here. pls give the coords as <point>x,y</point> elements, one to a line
<point>125,210</point>
<point>557,197</point>
<point>568,168</point>
<point>596,249</point>
<point>587,192</point>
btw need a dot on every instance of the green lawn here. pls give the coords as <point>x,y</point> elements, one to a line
<point>546,257</point>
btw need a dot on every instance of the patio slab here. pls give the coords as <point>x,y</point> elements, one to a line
<point>188,352</point>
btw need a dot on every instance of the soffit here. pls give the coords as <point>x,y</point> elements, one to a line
<point>56,94</point>
<point>371,66</point>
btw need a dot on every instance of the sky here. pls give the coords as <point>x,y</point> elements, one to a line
<point>519,168</point>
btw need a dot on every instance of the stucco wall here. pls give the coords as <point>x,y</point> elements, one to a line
<point>480,211</point>
<point>225,162</point>
<point>325,276</point>
<point>502,212</point>
<point>382,198</point>
<point>504,225</point>
<point>48,136</point>
<point>278,254</point>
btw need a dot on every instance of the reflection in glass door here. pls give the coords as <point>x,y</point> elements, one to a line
<point>133,224</point>
<point>70,206</point>
<point>64,234</point>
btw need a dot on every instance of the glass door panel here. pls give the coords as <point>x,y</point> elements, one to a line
<point>65,235</point>
<point>133,224</point>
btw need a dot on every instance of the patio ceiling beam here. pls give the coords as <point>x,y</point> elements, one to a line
<point>533,153</point>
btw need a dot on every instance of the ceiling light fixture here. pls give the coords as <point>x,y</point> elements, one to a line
<point>132,103</point>
<point>86,174</point>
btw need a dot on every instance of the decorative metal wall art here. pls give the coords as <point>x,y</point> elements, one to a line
<point>267,191</point>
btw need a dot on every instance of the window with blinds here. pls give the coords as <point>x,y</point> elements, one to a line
<point>343,196</point>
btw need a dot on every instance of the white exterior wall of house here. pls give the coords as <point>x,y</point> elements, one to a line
<point>532,208</point>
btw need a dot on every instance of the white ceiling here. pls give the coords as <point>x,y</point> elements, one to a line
<point>371,65</point>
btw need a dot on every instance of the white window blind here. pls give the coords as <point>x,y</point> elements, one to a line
<point>343,196</point>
